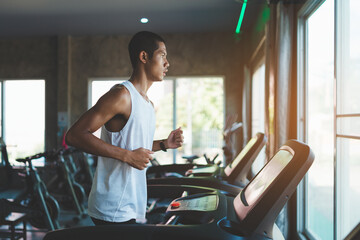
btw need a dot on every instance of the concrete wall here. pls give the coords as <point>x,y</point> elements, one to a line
<point>33,58</point>
<point>67,63</point>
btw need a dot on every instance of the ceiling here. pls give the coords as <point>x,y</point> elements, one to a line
<point>95,17</point>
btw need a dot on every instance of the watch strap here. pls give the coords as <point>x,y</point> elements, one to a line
<point>162,146</point>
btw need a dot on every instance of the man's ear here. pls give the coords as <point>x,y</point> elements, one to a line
<point>143,57</point>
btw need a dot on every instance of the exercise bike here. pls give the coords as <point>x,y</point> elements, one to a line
<point>63,187</point>
<point>44,208</point>
<point>231,126</point>
<point>79,168</point>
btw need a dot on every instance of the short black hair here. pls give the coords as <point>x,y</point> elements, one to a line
<point>143,41</point>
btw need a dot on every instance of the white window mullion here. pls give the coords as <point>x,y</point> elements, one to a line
<point>337,169</point>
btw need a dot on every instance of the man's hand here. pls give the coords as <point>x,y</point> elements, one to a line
<point>175,139</point>
<point>139,158</point>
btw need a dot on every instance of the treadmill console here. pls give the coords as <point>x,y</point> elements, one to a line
<point>193,209</point>
<point>203,171</point>
<point>205,203</point>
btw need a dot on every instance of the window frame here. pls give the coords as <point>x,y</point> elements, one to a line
<point>340,30</point>
<point>3,109</point>
<point>302,75</point>
<point>341,33</point>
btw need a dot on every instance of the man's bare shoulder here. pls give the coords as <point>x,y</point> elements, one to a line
<point>117,96</point>
<point>118,92</point>
<point>118,86</point>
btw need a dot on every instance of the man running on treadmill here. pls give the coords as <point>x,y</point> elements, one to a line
<point>127,120</point>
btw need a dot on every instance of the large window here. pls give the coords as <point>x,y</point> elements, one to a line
<point>329,114</point>
<point>23,125</point>
<point>347,116</point>
<point>195,104</point>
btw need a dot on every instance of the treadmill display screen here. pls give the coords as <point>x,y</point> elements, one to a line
<point>243,152</point>
<point>203,203</point>
<point>263,180</point>
<point>205,170</point>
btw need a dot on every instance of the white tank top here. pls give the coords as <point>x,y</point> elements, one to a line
<point>119,191</point>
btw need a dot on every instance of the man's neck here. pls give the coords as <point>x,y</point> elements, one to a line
<point>141,83</point>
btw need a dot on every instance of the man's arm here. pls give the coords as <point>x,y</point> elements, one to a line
<point>80,135</point>
<point>174,140</point>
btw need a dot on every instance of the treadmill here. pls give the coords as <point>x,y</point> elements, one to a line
<point>209,214</point>
<point>230,179</point>
<point>180,170</point>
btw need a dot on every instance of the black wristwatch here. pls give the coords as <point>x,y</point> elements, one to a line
<point>162,146</point>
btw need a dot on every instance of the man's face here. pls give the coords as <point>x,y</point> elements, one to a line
<point>158,65</point>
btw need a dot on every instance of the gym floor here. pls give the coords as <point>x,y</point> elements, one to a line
<point>67,219</point>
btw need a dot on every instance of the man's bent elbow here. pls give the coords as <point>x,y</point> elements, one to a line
<point>69,138</point>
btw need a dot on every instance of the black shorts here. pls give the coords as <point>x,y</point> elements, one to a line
<point>99,222</point>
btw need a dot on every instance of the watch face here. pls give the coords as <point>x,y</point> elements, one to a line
<point>162,146</point>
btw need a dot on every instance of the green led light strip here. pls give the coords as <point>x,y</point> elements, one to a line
<point>237,31</point>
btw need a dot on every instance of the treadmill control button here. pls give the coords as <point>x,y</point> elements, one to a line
<point>189,172</point>
<point>175,205</point>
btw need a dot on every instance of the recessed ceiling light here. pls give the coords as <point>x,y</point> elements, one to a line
<point>144,20</point>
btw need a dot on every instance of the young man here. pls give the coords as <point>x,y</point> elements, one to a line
<point>127,120</point>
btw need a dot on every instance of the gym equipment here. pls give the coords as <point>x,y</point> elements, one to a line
<point>38,198</point>
<point>227,179</point>
<point>169,170</point>
<point>30,196</point>
<point>178,170</point>
<point>159,171</point>
<point>11,186</point>
<point>229,129</point>
<point>79,168</point>
<point>191,158</point>
<point>63,186</point>
<point>213,215</point>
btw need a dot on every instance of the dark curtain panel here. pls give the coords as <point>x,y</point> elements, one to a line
<point>280,35</point>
